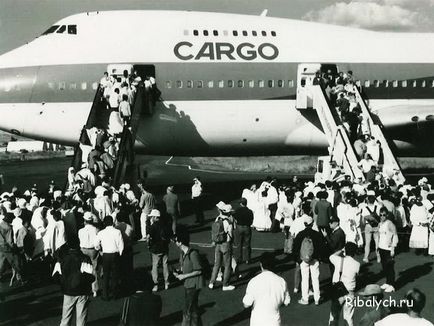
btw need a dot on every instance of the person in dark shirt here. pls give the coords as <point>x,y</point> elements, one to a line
<point>159,248</point>
<point>192,275</point>
<point>335,240</point>
<point>143,307</point>
<point>75,273</point>
<point>323,211</point>
<point>243,232</point>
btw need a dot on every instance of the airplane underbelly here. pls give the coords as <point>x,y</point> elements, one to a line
<point>229,128</point>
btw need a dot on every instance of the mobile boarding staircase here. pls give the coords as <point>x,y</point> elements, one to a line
<point>340,148</point>
<point>99,117</point>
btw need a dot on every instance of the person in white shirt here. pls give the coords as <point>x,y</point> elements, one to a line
<point>346,270</point>
<point>296,227</point>
<point>125,110</point>
<point>266,293</point>
<point>87,236</point>
<point>415,303</point>
<point>114,99</point>
<point>366,164</point>
<point>110,242</point>
<point>196,196</point>
<point>388,240</point>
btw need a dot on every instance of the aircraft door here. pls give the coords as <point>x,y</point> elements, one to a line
<point>305,76</point>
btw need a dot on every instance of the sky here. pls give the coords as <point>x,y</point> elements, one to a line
<point>22,20</point>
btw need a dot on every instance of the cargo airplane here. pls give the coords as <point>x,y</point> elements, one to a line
<point>228,82</point>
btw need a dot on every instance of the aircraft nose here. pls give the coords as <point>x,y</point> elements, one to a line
<point>12,118</point>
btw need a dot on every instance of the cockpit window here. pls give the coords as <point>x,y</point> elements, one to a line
<point>52,29</point>
<point>72,29</point>
<point>61,29</point>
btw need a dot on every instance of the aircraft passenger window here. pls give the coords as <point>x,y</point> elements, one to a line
<point>386,83</point>
<point>404,83</point>
<point>414,83</point>
<point>230,83</point>
<point>186,32</point>
<point>179,83</point>
<point>189,84</point>
<point>62,86</point>
<point>225,33</point>
<point>215,32</point>
<point>72,29</point>
<point>195,32</point>
<point>271,83</point>
<point>244,33</point>
<point>367,83</point>
<point>423,83</point>
<point>221,84</point>
<point>280,83</point>
<point>52,29</point>
<point>94,86</point>
<point>376,83</point>
<point>264,33</point>
<point>290,83</point>
<point>51,85</point>
<point>261,83</point>
<point>234,33</point>
<point>395,83</point>
<point>432,83</point>
<point>200,84</point>
<point>273,33</point>
<point>241,83</point>
<point>211,84</point>
<point>205,33</point>
<point>168,84</point>
<point>73,86</point>
<point>254,33</point>
<point>61,29</point>
<point>251,83</point>
<point>84,86</point>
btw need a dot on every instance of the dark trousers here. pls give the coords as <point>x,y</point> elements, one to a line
<point>243,239</point>
<point>388,265</point>
<point>110,267</point>
<point>191,315</point>
<point>273,210</point>
<point>198,211</point>
<point>127,268</point>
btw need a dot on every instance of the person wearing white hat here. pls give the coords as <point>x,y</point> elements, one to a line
<point>87,236</point>
<point>222,236</point>
<point>159,239</point>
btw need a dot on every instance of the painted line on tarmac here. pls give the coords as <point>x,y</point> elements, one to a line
<point>198,170</point>
<point>209,245</point>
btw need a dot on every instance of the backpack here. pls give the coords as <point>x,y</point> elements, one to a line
<point>306,250</point>
<point>218,234</point>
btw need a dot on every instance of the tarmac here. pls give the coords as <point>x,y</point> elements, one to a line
<point>41,304</point>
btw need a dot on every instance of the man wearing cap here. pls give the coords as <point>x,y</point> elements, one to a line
<point>110,242</point>
<point>223,250</point>
<point>159,240</point>
<point>87,237</point>
<point>309,269</point>
<point>335,240</point>
<point>373,293</point>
